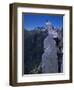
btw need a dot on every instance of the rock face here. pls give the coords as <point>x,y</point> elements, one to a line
<point>49,57</point>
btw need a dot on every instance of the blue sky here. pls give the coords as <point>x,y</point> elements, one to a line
<point>38,20</point>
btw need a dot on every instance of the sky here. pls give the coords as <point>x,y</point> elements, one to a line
<point>31,21</point>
